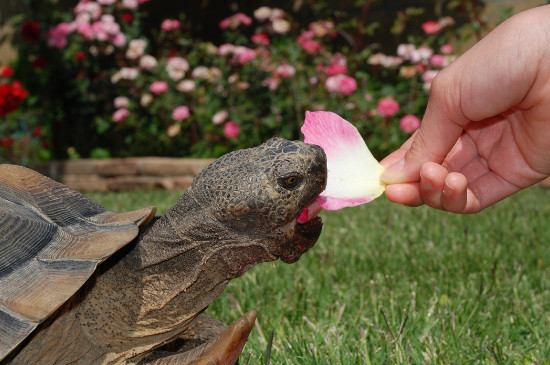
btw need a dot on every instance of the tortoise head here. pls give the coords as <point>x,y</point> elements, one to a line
<point>259,192</point>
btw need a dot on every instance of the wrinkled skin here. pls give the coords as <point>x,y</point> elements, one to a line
<point>267,195</point>
<point>240,211</point>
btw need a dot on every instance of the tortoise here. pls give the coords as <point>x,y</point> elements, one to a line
<point>81,284</point>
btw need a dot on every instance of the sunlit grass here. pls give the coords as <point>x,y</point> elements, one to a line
<point>391,284</point>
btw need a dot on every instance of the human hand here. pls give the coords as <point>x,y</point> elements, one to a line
<point>486,131</point>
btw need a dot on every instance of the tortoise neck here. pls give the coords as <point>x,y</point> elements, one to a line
<point>179,264</point>
<point>184,261</point>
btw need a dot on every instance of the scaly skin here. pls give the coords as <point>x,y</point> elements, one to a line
<point>240,211</point>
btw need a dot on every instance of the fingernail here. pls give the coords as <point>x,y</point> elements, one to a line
<point>448,189</point>
<point>393,170</point>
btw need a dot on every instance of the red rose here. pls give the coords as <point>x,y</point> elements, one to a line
<point>30,30</point>
<point>6,72</point>
<point>11,96</point>
<point>127,17</point>
<point>172,52</point>
<point>260,38</point>
<point>80,56</point>
<point>37,131</point>
<point>7,142</point>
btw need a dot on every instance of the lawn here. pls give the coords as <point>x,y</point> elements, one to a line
<point>388,284</point>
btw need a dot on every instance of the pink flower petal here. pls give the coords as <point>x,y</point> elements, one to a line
<point>353,173</point>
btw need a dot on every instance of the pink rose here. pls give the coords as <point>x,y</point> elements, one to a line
<point>307,35</point>
<point>65,28</point>
<point>423,53</point>
<point>226,49</point>
<point>347,85</point>
<point>219,117</point>
<point>336,69</point>
<point>169,24</point>
<point>158,87</point>
<point>431,27</point>
<point>280,26</point>
<point>186,86</point>
<point>56,40</point>
<point>180,113</point>
<point>99,31</point>
<point>225,23</point>
<point>85,30</point>
<point>119,39</point>
<point>57,36</point>
<point>200,72</point>
<point>409,123</point>
<point>147,62</point>
<point>121,102</point>
<point>437,60</point>
<point>130,4</point>
<point>244,19</point>
<point>332,84</point>
<point>244,54</point>
<point>177,67</point>
<point>310,46</point>
<point>136,48</point>
<point>446,49</point>
<point>231,130</point>
<point>406,50</point>
<point>341,84</point>
<point>387,107</point>
<point>234,21</point>
<point>285,70</point>
<point>93,9</point>
<point>109,24</point>
<point>125,73</point>
<point>121,115</point>
<point>322,28</point>
<point>263,13</point>
<point>429,75</point>
<point>173,130</point>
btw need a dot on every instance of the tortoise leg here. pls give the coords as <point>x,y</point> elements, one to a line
<point>223,349</point>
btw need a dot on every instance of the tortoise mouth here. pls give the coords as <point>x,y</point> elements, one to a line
<point>303,237</point>
<point>302,233</point>
<point>309,212</point>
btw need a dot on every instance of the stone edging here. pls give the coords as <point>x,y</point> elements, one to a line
<point>118,174</point>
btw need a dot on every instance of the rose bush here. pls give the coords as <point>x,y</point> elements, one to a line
<point>104,82</point>
<point>21,135</point>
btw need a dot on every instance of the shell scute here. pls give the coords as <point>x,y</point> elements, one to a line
<point>51,240</point>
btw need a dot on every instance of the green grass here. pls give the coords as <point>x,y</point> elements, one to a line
<point>387,284</point>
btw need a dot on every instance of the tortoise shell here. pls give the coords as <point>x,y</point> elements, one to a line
<point>51,240</point>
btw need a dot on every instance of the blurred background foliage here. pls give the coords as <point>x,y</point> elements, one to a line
<point>116,78</point>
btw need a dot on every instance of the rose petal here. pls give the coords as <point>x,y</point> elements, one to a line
<point>353,173</point>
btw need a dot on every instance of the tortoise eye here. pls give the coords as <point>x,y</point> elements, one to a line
<point>290,181</point>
